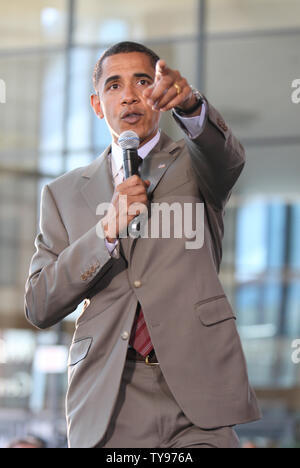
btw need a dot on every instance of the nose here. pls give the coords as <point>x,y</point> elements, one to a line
<point>130,95</point>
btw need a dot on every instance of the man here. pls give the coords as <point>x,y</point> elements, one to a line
<point>156,359</point>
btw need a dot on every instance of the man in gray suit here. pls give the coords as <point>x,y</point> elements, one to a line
<point>156,360</point>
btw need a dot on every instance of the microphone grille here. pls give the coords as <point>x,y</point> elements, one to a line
<point>129,140</point>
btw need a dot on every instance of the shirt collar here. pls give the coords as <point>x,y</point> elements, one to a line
<point>117,153</point>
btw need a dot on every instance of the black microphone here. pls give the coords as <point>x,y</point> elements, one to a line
<point>129,142</point>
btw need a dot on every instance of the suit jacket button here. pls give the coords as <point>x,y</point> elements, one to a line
<point>222,124</point>
<point>125,335</point>
<point>137,284</point>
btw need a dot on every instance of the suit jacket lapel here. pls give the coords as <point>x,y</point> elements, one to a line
<point>159,160</point>
<point>99,187</point>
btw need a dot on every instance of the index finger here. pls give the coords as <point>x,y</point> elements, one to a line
<point>161,67</point>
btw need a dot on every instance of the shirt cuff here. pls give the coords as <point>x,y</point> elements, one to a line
<point>112,248</point>
<point>194,125</point>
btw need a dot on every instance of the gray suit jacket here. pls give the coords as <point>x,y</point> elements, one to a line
<point>190,320</point>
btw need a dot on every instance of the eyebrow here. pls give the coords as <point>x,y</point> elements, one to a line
<point>118,77</point>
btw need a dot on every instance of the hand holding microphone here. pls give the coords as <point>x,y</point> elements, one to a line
<point>133,188</point>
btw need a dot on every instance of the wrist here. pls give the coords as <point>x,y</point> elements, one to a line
<point>192,106</point>
<point>188,104</point>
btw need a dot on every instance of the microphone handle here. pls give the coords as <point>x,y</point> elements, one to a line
<point>131,167</point>
<point>130,162</point>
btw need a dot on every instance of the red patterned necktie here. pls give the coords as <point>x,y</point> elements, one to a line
<point>140,339</point>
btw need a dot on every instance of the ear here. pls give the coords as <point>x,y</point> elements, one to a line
<point>96,105</point>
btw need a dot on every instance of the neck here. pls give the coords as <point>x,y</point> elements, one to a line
<point>149,138</point>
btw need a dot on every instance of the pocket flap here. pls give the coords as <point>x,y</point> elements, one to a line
<point>214,311</point>
<point>79,350</point>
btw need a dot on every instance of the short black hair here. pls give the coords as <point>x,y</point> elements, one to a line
<point>122,48</point>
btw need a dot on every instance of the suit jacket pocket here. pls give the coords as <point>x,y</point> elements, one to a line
<point>79,350</point>
<point>214,310</point>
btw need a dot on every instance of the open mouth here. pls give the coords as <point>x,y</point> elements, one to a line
<point>132,117</point>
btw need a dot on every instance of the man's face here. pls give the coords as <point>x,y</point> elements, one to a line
<point>121,102</point>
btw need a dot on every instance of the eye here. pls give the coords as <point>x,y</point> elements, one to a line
<point>144,82</point>
<point>113,86</point>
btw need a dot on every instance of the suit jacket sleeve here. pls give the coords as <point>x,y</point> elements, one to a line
<point>217,157</point>
<point>61,274</point>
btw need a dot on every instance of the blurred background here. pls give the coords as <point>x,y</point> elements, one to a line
<point>244,55</point>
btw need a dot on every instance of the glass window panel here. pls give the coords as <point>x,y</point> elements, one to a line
<point>293,310</point>
<point>17,349</point>
<point>32,118</point>
<point>250,80</point>
<point>295,240</point>
<point>276,235</point>
<point>269,363</point>
<point>251,248</point>
<point>272,299</point>
<point>52,100</point>
<point>32,23</point>
<point>51,164</point>
<point>78,160</point>
<point>101,137</point>
<point>80,110</point>
<point>245,15</point>
<point>9,249</point>
<point>247,302</point>
<point>271,171</point>
<point>109,22</point>
<point>258,309</point>
<point>18,229</point>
